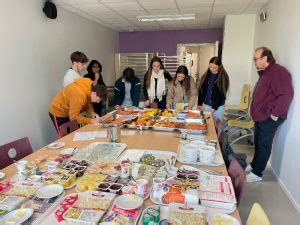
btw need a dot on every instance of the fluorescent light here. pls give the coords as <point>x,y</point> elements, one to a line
<point>166,17</point>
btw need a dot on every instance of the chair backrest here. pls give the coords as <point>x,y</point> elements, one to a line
<point>245,97</point>
<point>257,216</point>
<point>68,127</point>
<point>238,177</point>
<point>15,150</point>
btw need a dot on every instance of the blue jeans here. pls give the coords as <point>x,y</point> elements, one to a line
<point>217,115</point>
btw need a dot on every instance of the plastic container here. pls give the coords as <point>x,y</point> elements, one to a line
<point>207,154</point>
<point>183,214</point>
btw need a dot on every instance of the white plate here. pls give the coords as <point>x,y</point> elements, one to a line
<point>67,151</point>
<point>129,202</point>
<point>2,175</point>
<point>56,145</point>
<point>14,218</point>
<point>223,216</point>
<point>50,191</point>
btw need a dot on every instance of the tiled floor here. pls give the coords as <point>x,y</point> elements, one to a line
<point>269,194</point>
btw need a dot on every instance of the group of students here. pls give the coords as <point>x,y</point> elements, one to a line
<point>89,94</point>
<point>164,92</point>
<point>271,98</point>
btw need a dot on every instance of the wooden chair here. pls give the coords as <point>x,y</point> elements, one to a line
<point>14,151</point>
<point>68,127</point>
<point>257,216</point>
<point>238,177</point>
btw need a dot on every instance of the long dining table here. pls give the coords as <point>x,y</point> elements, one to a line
<point>145,139</point>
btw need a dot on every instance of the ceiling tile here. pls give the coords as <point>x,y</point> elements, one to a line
<point>229,9</point>
<point>134,13</point>
<point>158,4</point>
<point>196,22</point>
<point>217,16</point>
<point>71,9</point>
<point>232,2</point>
<point>58,2</point>
<point>197,10</point>
<point>121,14</point>
<point>254,8</point>
<point>194,3</point>
<point>92,8</point>
<point>124,6</point>
<point>116,1</point>
<point>108,15</point>
<point>260,1</point>
<point>163,11</point>
<point>80,2</point>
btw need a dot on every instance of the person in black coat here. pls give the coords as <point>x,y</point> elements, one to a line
<point>213,88</point>
<point>94,70</point>
<point>127,90</point>
<point>155,87</point>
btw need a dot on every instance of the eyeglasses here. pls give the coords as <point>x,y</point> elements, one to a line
<point>255,59</point>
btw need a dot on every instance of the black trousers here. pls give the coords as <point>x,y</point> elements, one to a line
<point>58,121</point>
<point>264,133</point>
<point>161,104</point>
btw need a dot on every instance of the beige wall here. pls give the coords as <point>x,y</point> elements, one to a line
<point>205,54</point>
<point>282,35</point>
<point>237,52</point>
<point>34,56</point>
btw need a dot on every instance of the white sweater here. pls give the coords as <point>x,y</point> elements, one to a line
<point>70,77</point>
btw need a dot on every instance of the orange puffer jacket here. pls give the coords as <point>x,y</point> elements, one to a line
<point>73,99</point>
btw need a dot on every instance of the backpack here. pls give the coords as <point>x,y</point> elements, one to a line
<point>228,153</point>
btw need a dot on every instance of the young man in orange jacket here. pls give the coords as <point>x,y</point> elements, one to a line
<point>71,101</point>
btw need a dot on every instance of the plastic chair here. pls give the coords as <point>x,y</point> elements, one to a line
<point>68,127</point>
<point>235,127</point>
<point>14,151</point>
<point>238,177</point>
<point>257,216</point>
<point>244,101</point>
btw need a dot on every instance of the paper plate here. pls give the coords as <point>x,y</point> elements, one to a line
<point>56,145</point>
<point>67,151</point>
<point>129,202</point>
<point>17,216</point>
<point>50,191</point>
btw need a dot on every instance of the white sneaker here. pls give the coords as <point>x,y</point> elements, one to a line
<point>251,178</point>
<point>248,168</point>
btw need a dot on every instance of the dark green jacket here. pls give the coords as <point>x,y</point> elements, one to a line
<point>134,92</point>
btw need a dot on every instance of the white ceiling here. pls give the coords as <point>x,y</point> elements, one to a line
<point>121,15</point>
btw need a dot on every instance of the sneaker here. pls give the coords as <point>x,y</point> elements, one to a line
<point>251,178</point>
<point>248,168</point>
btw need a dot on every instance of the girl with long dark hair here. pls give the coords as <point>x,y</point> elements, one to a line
<point>182,89</point>
<point>155,90</point>
<point>213,88</point>
<point>94,70</point>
